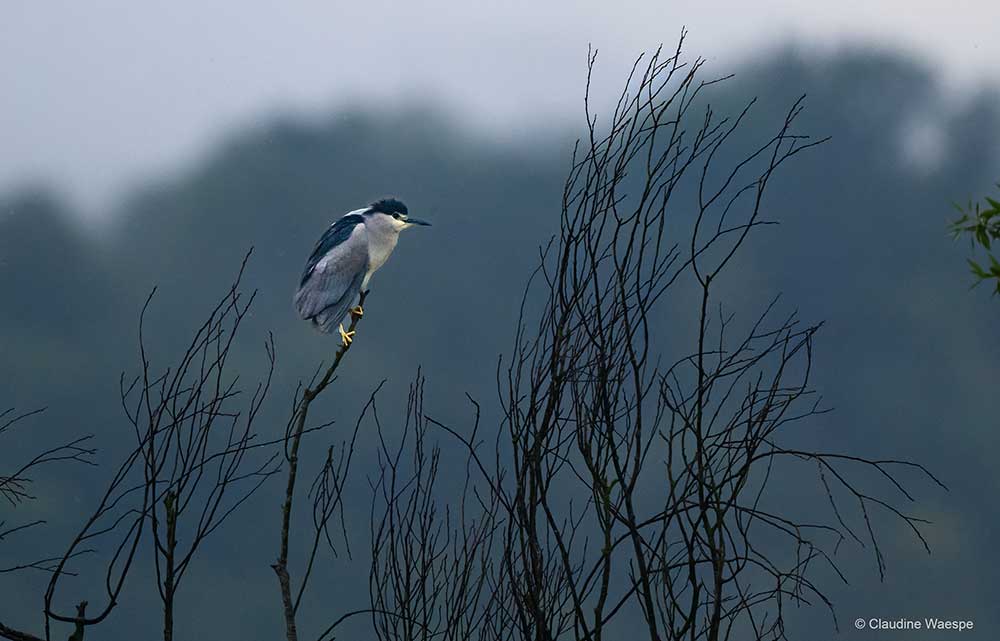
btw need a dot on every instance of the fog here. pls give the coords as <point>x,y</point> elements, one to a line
<point>97,96</point>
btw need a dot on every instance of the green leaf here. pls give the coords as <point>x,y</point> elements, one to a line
<point>976,269</point>
<point>982,223</point>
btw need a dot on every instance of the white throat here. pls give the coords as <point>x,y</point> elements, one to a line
<point>382,237</point>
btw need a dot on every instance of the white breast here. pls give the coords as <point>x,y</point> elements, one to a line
<point>382,239</point>
<point>379,248</point>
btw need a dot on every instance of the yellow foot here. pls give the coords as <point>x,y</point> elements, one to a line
<point>346,337</point>
<point>357,312</point>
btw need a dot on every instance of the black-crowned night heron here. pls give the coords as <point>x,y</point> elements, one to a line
<point>344,260</point>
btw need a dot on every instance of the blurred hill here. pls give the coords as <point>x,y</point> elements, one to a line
<point>908,358</point>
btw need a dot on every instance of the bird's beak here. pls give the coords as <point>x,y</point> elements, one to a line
<point>417,221</point>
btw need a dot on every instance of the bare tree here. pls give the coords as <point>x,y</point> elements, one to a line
<point>636,485</point>
<point>195,441</point>
<point>431,560</point>
<point>15,490</point>
<point>326,491</point>
<point>191,466</point>
<point>15,486</point>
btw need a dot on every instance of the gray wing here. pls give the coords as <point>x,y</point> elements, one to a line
<point>333,275</point>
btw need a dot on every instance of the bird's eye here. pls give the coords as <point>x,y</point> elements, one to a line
<point>396,216</point>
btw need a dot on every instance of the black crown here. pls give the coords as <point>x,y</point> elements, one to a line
<point>389,206</point>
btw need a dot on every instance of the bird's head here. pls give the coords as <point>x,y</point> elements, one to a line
<point>393,213</point>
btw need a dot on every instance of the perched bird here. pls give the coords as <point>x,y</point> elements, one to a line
<point>344,260</point>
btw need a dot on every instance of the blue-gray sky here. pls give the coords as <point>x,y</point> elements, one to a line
<point>99,94</point>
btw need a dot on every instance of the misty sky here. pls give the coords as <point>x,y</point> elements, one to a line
<point>99,94</point>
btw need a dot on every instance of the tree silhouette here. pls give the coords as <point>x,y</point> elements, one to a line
<point>635,485</point>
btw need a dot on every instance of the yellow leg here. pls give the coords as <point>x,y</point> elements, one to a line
<point>345,337</point>
<point>357,312</point>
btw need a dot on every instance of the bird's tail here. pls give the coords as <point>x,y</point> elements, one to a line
<point>328,320</point>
